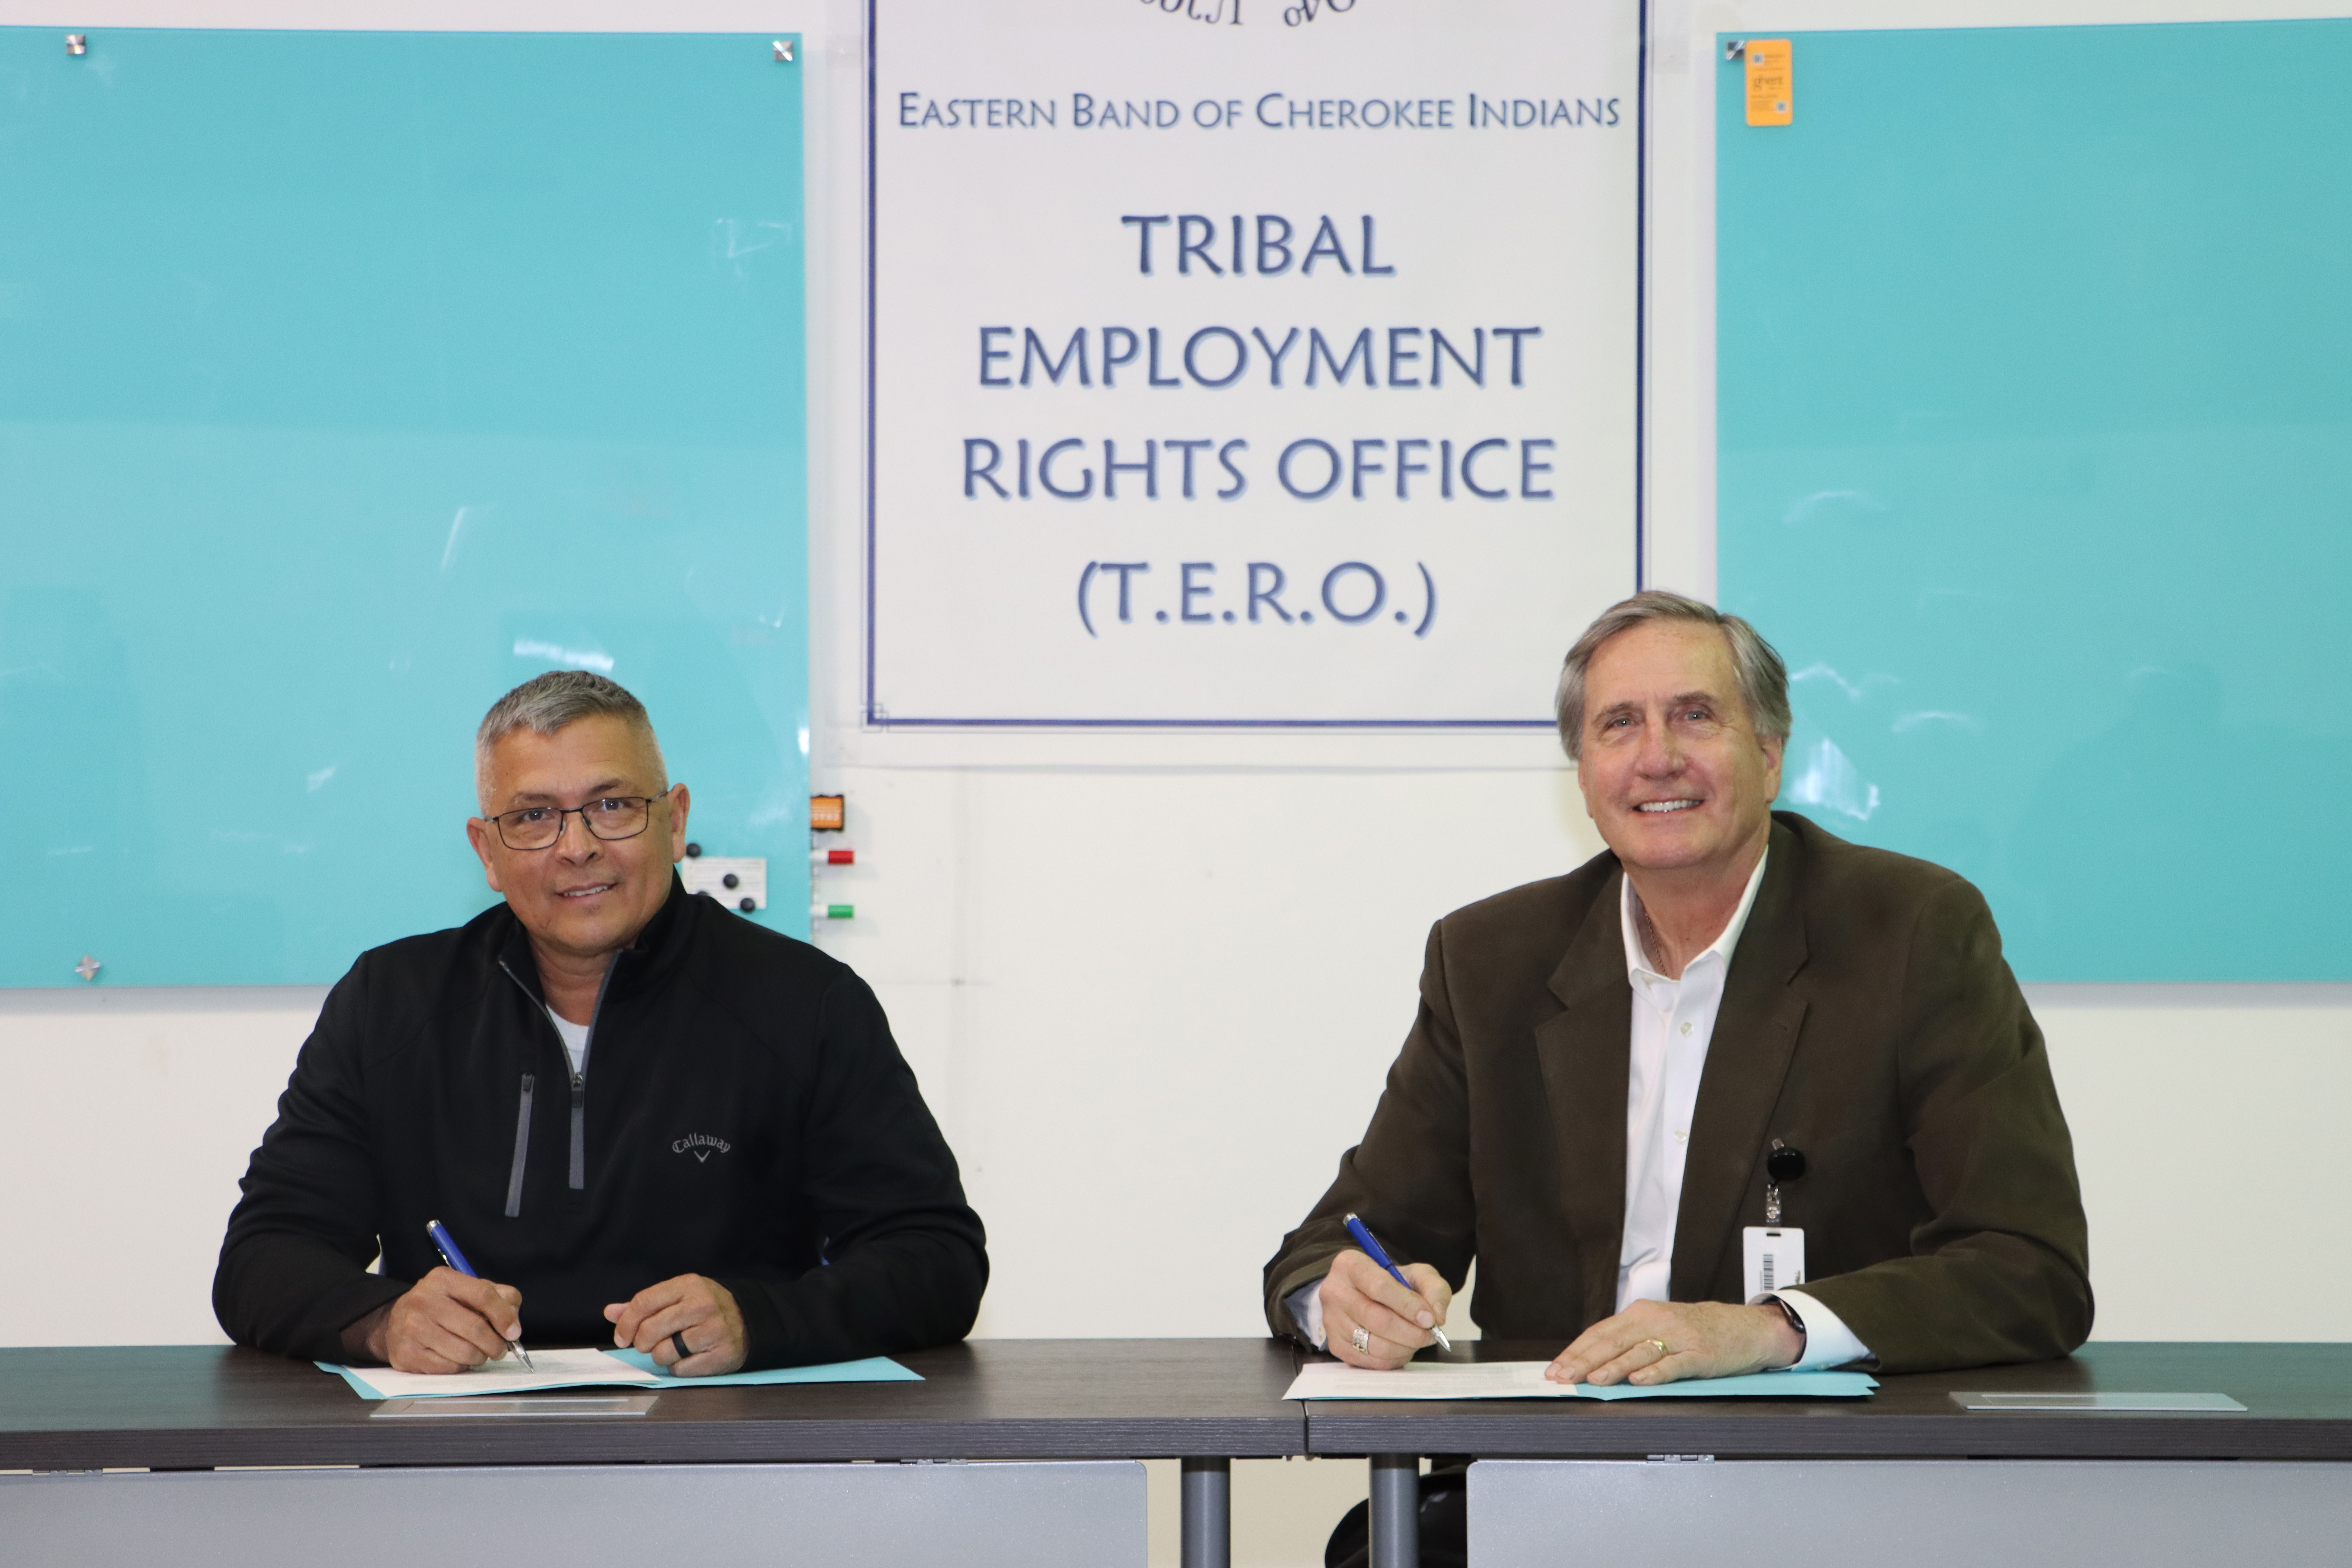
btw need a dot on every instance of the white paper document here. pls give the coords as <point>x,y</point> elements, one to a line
<point>1525,1380</point>
<point>1427,1380</point>
<point>550,1369</point>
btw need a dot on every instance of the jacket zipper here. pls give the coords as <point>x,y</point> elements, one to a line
<point>522,1154</point>
<point>580,1126</point>
<point>580,1083</point>
<point>577,1175</point>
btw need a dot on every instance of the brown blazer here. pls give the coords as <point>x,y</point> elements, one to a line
<point>1868,1020</point>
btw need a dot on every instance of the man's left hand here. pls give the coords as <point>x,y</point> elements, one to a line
<point>1666,1341</point>
<point>703,1311</point>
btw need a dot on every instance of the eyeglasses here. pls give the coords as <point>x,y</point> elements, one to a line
<point>615,817</point>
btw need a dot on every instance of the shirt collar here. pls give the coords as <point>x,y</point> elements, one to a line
<point>1637,963</point>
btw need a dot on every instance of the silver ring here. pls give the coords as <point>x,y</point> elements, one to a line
<point>1360,1339</point>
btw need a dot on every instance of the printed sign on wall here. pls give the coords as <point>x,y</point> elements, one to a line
<point>1243,363</point>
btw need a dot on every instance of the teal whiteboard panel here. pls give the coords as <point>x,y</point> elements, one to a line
<point>347,380</point>
<point>2035,360</point>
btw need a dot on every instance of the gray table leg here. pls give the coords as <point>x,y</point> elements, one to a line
<point>1208,1514</point>
<point>1396,1510</point>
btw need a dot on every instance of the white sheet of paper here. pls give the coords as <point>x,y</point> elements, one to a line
<point>1429,1380</point>
<point>553,1369</point>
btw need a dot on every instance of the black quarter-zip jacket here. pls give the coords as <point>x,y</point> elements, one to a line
<point>744,1114</point>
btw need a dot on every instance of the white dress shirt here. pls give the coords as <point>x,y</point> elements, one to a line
<point>1674,1023</point>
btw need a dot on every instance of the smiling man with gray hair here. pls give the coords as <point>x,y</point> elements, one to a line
<point>1735,1095</point>
<point>645,1121</point>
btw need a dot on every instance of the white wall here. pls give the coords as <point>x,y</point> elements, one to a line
<point>1151,981</point>
<point>125,1119</point>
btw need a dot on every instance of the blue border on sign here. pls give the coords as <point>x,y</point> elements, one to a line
<point>872,713</point>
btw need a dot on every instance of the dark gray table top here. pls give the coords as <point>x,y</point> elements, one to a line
<point>170,1408</point>
<point>193,1408</point>
<point>2298,1400</point>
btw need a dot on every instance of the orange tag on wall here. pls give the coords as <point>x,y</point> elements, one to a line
<point>1771,98</point>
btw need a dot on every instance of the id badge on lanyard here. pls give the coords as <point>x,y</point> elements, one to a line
<point>1773,1257</point>
<point>1772,1254</point>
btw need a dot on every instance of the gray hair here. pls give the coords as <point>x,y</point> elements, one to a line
<point>1763,679</point>
<point>546,703</point>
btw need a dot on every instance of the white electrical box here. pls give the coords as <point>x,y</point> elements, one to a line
<point>739,881</point>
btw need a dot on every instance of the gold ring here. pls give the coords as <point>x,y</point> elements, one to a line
<point>1663,1351</point>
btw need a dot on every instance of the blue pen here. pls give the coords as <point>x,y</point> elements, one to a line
<point>446,1245</point>
<point>1378,1254</point>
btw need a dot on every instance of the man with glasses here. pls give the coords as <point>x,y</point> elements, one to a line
<point>1618,1078</point>
<point>646,1121</point>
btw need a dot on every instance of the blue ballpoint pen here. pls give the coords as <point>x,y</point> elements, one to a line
<point>446,1245</point>
<point>1378,1254</point>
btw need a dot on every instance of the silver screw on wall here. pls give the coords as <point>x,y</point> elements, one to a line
<point>76,43</point>
<point>784,51</point>
<point>88,967</point>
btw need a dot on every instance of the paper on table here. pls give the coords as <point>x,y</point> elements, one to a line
<point>1525,1380</point>
<point>591,1369</point>
<point>553,1369</point>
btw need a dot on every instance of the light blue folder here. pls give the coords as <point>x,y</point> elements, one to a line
<point>1755,1385</point>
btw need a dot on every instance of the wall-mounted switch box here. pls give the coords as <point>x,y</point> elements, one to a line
<point>739,881</point>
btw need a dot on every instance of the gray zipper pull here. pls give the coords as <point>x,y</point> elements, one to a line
<point>579,1132</point>
<point>521,1150</point>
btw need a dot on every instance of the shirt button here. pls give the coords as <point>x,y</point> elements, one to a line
<point>1682,1135</point>
<point>1685,1027</point>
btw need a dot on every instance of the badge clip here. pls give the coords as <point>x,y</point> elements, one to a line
<point>1774,1254</point>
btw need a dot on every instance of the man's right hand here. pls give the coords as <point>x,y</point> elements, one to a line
<point>1358,1293</point>
<point>446,1323</point>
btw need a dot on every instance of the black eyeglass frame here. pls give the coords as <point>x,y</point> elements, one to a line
<point>647,801</point>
